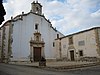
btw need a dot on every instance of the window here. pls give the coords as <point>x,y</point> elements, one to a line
<point>81,53</point>
<point>53,44</point>
<point>36,26</point>
<point>57,36</point>
<point>37,9</point>
<point>70,40</point>
<point>81,43</point>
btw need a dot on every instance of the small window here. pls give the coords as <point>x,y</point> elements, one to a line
<point>53,44</point>
<point>70,40</point>
<point>57,36</point>
<point>36,26</point>
<point>37,9</point>
<point>81,53</point>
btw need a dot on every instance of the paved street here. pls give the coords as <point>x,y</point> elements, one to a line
<point>6,69</point>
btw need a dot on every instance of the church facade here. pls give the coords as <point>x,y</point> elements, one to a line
<point>31,36</point>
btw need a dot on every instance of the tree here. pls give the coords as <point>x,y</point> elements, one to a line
<point>2,12</point>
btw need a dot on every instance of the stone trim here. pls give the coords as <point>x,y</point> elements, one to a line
<point>39,44</point>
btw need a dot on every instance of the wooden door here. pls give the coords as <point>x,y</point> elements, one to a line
<point>72,55</point>
<point>37,54</point>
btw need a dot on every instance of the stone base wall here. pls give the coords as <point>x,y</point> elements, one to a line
<point>89,59</point>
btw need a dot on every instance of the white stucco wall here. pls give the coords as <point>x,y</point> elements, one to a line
<point>23,31</point>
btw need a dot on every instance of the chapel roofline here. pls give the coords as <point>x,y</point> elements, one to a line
<point>20,17</point>
<point>5,24</point>
<point>79,32</point>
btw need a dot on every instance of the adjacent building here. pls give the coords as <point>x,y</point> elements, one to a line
<point>83,44</point>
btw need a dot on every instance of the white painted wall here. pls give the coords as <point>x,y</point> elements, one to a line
<point>23,31</point>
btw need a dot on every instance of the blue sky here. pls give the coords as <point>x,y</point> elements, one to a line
<point>68,16</point>
<point>4,1</point>
<point>56,0</point>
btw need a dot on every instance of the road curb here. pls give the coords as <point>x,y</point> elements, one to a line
<point>61,68</point>
<point>71,67</point>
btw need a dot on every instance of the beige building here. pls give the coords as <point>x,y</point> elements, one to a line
<point>5,41</point>
<point>84,44</point>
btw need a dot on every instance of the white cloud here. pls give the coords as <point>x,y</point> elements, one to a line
<point>68,16</point>
<point>96,14</point>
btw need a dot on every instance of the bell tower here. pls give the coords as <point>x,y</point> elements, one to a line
<point>36,7</point>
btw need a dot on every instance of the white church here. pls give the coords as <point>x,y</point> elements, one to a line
<point>30,36</point>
